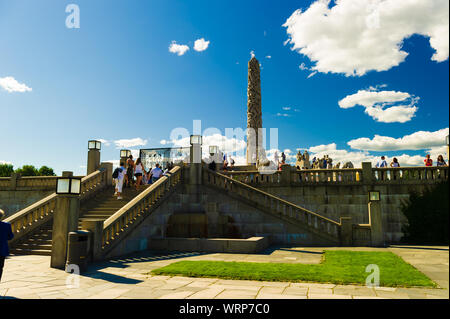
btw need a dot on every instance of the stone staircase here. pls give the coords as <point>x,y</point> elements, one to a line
<point>101,207</point>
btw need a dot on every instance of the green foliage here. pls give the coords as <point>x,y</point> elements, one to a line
<point>6,170</point>
<point>427,216</point>
<point>27,170</point>
<point>338,267</point>
<point>46,171</point>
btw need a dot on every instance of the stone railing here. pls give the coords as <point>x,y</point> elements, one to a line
<point>137,209</point>
<point>314,176</point>
<point>274,205</point>
<point>35,215</point>
<point>254,177</point>
<point>18,183</point>
<point>410,174</point>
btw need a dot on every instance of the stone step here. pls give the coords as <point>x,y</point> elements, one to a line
<point>34,246</point>
<point>42,252</point>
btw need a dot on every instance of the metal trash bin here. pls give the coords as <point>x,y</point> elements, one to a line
<point>77,250</point>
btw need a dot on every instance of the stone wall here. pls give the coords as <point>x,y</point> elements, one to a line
<point>226,217</point>
<point>335,201</point>
<point>13,201</point>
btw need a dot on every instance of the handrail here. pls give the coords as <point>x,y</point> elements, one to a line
<point>422,173</point>
<point>119,221</point>
<point>40,212</point>
<point>263,199</point>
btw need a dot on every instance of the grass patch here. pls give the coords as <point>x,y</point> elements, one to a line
<point>337,267</point>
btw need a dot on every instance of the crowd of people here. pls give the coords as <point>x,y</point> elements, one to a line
<point>427,161</point>
<point>133,174</point>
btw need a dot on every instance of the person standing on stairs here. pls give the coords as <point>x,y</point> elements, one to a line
<point>138,171</point>
<point>130,169</point>
<point>5,235</point>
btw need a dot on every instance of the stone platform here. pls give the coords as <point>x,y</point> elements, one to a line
<point>30,277</point>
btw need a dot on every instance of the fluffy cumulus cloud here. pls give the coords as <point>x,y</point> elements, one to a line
<point>11,85</point>
<point>354,37</point>
<point>178,49</point>
<point>201,45</point>
<point>415,141</point>
<point>383,106</point>
<point>133,142</point>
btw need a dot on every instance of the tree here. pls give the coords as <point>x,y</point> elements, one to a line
<point>427,216</point>
<point>27,170</point>
<point>46,171</point>
<point>6,170</point>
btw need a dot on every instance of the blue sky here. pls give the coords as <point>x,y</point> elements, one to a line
<point>114,78</point>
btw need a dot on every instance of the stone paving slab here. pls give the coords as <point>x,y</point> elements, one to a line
<point>30,277</point>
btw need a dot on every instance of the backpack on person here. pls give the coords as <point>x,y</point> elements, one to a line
<point>116,172</point>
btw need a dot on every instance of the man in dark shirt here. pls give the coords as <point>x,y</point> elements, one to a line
<point>5,235</point>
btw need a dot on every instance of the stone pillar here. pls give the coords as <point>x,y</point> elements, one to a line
<point>196,164</point>
<point>346,231</point>
<point>367,175</point>
<point>376,224</point>
<point>13,181</point>
<point>286,174</point>
<point>254,112</point>
<point>109,170</point>
<point>65,220</point>
<point>93,162</point>
<point>95,226</point>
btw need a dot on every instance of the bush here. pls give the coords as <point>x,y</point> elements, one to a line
<point>46,171</point>
<point>6,170</point>
<point>427,216</point>
<point>27,170</point>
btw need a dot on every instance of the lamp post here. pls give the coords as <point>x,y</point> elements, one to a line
<point>195,163</point>
<point>124,155</point>
<point>375,219</point>
<point>65,217</point>
<point>93,162</point>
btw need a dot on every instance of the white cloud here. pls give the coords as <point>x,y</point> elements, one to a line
<point>283,114</point>
<point>103,141</point>
<point>312,74</point>
<point>268,56</point>
<point>356,36</point>
<point>179,49</point>
<point>303,67</point>
<point>126,143</point>
<point>375,102</point>
<point>287,108</point>
<point>416,141</point>
<point>5,162</point>
<point>201,45</point>
<point>11,85</point>
<point>252,54</point>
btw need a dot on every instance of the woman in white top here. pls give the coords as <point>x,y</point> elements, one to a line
<point>395,163</point>
<point>138,171</point>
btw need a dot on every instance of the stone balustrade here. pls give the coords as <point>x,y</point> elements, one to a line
<point>410,174</point>
<point>314,176</point>
<point>116,225</point>
<point>274,205</point>
<point>342,176</point>
<point>35,215</point>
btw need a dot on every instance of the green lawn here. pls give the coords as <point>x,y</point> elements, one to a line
<point>337,266</point>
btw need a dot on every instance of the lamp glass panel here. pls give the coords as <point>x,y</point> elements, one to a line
<point>123,153</point>
<point>374,196</point>
<point>76,186</point>
<point>91,145</point>
<point>63,185</point>
<point>98,145</point>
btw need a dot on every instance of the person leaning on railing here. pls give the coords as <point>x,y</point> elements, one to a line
<point>5,235</point>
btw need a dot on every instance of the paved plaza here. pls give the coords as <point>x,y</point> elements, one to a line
<point>30,277</point>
